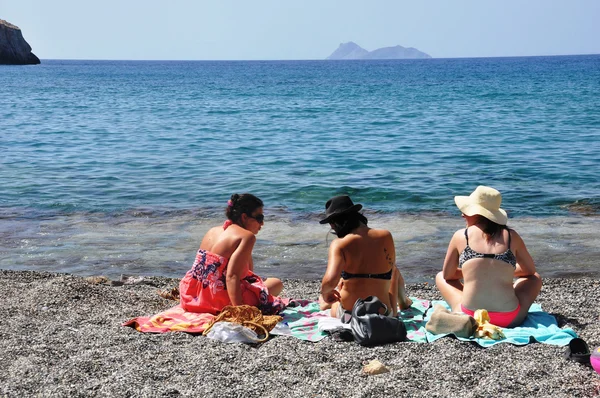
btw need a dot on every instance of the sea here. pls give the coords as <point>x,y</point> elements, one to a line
<point>119,167</point>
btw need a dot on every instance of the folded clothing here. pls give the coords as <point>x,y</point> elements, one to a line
<point>443,321</point>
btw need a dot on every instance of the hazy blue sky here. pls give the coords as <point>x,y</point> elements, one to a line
<point>302,29</point>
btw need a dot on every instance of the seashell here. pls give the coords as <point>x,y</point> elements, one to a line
<point>375,367</point>
<point>97,280</point>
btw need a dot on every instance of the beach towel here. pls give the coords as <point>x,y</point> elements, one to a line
<point>174,319</point>
<point>414,319</point>
<point>301,317</point>
<point>301,320</point>
<point>538,326</point>
<point>306,321</point>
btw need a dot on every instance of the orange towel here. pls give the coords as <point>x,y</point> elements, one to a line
<point>174,319</point>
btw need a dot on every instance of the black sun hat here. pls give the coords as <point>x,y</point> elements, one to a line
<point>337,206</point>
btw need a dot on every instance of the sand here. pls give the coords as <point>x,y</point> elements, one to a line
<point>62,336</point>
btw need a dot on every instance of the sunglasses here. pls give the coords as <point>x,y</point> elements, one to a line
<point>260,218</point>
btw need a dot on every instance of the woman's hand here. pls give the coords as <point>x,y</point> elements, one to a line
<point>331,297</point>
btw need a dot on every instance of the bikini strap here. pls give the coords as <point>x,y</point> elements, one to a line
<point>508,237</point>
<point>467,236</point>
<point>226,224</point>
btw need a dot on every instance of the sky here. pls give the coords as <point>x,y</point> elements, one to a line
<point>301,29</point>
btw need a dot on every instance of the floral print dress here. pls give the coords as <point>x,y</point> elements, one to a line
<point>203,288</point>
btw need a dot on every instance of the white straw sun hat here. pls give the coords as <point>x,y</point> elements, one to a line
<point>484,201</point>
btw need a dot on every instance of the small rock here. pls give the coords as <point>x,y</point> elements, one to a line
<point>375,367</point>
<point>172,294</point>
<point>132,280</point>
<point>97,280</point>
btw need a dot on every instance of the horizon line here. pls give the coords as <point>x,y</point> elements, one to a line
<point>315,59</point>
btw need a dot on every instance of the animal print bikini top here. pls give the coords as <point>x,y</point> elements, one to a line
<point>468,253</point>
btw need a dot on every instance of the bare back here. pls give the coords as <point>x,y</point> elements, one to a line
<point>220,241</point>
<point>226,242</point>
<point>366,251</point>
<point>488,282</point>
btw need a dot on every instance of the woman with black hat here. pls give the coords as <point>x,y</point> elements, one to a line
<point>362,262</point>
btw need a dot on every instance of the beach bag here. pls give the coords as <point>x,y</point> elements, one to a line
<point>443,321</point>
<point>244,315</point>
<point>370,327</point>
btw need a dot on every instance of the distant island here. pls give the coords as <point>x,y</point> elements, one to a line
<point>352,50</point>
<point>14,50</point>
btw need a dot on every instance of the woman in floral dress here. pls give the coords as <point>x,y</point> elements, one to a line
<point>222,273</point>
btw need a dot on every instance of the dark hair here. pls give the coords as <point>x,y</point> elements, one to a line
<point>245,203</point>
<point>345,223</point>
<point>489,228</point>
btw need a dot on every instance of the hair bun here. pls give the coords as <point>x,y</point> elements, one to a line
<point>240,204</point>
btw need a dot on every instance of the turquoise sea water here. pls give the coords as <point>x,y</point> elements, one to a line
<point>119,167</point>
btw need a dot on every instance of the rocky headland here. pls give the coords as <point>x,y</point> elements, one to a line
<point>352,50</point>
<point>14,50</point>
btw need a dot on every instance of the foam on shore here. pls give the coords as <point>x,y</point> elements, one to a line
<point>290,245</point>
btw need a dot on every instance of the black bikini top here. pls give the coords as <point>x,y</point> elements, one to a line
<point>467,254</point>
<point>385,275</point>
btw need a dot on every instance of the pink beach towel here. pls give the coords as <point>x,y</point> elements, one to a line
<point>174,319</point>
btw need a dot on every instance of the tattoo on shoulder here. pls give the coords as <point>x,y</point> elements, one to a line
<point>388,258</point>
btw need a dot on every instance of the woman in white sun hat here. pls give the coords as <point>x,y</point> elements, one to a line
<point>488,256</point>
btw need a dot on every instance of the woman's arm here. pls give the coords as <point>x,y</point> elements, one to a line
<point>450,271</point>
<point>525,265</point>
<point>237,267</point>
<point>335,265</point>
<point>389,250</point>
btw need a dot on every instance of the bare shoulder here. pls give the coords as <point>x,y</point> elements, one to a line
<point>344,244</point>
<point>381,233</point>
<point>338,243</point>
<point>459,234</point>
<point>211,236</point>
<point>515,237</point>
<point>458,237</point>
<point>215,231</point>
<point>513,233</point>
<point>243,234</point>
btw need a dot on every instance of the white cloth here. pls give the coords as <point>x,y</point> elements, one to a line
<point>230,332</point>
<point>330,323</point>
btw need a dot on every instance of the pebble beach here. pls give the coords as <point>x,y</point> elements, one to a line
<point>62,336</point>
<point>123,148</point>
